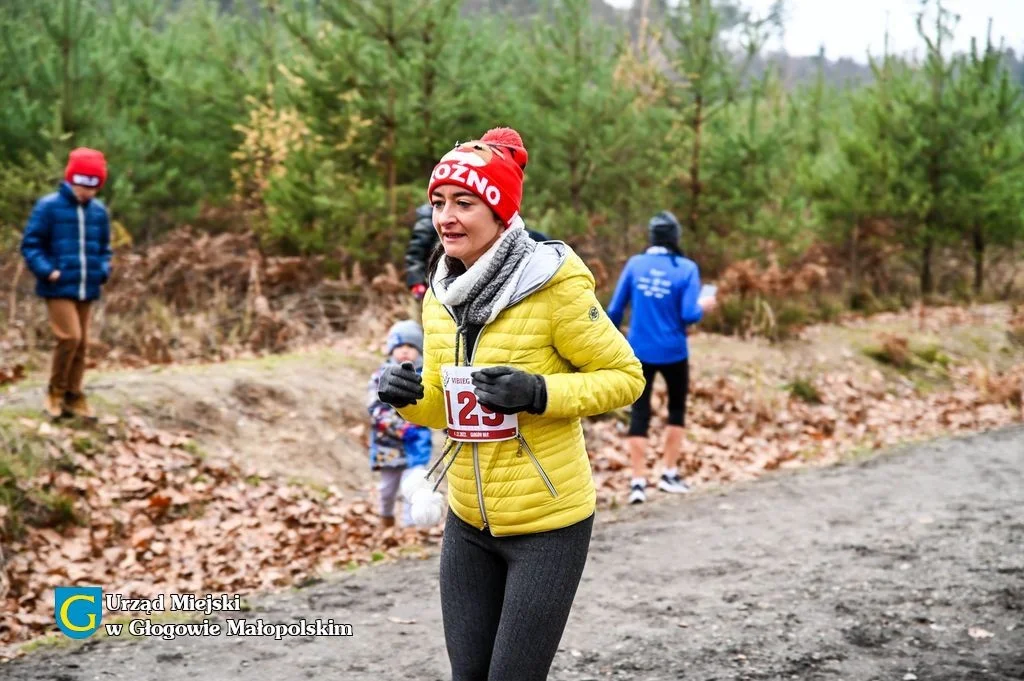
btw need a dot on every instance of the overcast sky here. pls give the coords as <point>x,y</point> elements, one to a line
<point>849,28</point>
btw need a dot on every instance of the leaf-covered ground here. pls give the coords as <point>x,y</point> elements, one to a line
<point>899,567</point>
<point>138,503</point>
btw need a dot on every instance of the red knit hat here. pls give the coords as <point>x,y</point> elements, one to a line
<point>86,167</point>
<point>491,167</point>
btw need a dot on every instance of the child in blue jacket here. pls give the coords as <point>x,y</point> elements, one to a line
<point>663,288</point>
<point>397,448</point>
<point>66,245</point>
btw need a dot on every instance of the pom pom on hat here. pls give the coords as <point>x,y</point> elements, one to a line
<point>510,139</point>
<point>505,136</point>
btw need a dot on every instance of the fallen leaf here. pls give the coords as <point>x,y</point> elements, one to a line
<point>159,501</point>
<point>142,537</point>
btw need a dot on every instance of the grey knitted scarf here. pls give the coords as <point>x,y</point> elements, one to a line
<point>477,295</point>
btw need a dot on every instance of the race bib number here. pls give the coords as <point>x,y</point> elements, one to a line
<point>468,420</point>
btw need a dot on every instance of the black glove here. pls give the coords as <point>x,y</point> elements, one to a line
<point>508,391</point>
<point>400,386</point>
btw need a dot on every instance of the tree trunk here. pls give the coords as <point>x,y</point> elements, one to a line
<point>429,84</point>
<point>271,8</point>
<point>979,259</point>
<point>575,182</point>
<point>855,256</point>
<point>927,285</point>
<point>391,164</point>
<point>67,91</point>
<point>12,303</point>
<point>626,222</point>
<point>391,37</point>
<point>697,123</point>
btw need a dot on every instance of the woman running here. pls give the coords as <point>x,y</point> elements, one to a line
<point>520,510</point>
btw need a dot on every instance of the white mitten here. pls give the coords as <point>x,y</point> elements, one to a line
<point>426,507</point>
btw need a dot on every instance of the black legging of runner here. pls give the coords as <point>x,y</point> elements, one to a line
<point>505,600</point>
<point>677,376</point>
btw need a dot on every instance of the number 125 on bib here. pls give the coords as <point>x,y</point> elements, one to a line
<point>468,420</point>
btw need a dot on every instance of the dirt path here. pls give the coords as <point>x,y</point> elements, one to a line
<point>866,572</point>
<point>300,415</point>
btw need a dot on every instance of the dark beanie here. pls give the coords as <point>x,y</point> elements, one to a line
<point>664,229</point>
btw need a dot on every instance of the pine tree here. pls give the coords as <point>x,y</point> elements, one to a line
<point>703,83</point>
<point>167,105</point>
<point>69,28</point>
<point>938,123</point>
<point>989,162</point>
<point>591,140</point>
<point>378,61</point>
<point>751,190</point>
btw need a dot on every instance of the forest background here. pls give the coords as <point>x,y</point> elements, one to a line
<point>312,127</point>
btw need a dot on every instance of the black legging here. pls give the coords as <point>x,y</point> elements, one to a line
<point>677,376</point>
<point>505,600</point>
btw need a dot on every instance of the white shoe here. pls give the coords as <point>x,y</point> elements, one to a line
<point>673,484</point>
<point>637,495</point>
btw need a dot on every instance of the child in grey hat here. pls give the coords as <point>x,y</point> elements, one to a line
<point>397,447</point>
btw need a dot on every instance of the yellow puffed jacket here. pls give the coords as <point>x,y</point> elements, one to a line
<point>553,325</point>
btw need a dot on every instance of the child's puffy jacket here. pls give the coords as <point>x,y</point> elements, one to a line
<point>394,442</point>
<point>71,237</point>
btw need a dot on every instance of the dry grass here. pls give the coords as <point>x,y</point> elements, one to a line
<point>206,298</point>
<point>24,454</point>
<point>1015,330</point>
<point>893,350</point>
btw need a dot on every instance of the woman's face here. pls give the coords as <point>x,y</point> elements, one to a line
<point>465,224</point>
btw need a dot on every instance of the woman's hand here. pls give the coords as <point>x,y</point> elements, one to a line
<point>509,391</point>
<point>400,385</point>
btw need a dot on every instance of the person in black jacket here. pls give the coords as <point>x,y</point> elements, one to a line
<point>422,242</point>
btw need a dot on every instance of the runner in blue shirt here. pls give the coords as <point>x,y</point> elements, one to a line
<point>663,288</point>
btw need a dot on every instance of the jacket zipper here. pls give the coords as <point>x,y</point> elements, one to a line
<point>476,449</point>
<point>523,444</point>
<point>81,251</point>
<point>476,446</point>
<point>479,485</point>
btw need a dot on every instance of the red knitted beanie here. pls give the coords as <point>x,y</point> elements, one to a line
<point>490,167</point>
<point>86,167</point>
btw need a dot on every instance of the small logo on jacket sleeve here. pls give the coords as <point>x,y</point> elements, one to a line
<point>594,313</point>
